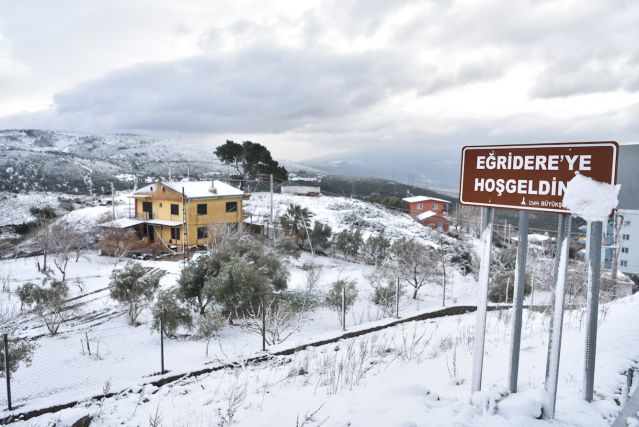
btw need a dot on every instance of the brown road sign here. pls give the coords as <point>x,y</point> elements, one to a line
<point>532,177</point>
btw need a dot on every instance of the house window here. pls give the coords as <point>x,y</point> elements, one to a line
<point>147,207</point>
<point>440,226</point>
<point>624,250</point>
<point>160,204</point>
<point>175,209</point>
<point>231,206</point>
<point>201,209</point>
<point>420,206</point>
<point>625,237</point>
<point>202,232</point>
<point>175,233</point>
<point>624,263</point>
<point>435,206</point>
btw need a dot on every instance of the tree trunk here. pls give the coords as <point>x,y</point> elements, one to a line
<point>415,293</point>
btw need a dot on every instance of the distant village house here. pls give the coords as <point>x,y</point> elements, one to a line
<point>429,211</point>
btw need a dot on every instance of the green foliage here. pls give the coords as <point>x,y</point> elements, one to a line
<point>385,295</point>
<point>25,227</point>
<point>286,247</point>
<point>299,218</point>
<point>393,202</point>
<point>349,242</point>
<point>239,285</point>
<point>333,299</point>
<point>321,235</point>
<point>635,279</point>
<point>192,279</point>
<point>31,294</point>
<point>463,261</point>
<point>173,313</point>
<point>497,289</point>
<point>20,350</point>
<point>133,288</point>
<point>210,324</point>
<point>45,212</point>
<point>250,159</point>
<point>503,261</point>
<point>376,248</point>
<point>301,300</point>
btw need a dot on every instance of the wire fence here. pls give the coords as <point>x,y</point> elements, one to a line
<point>80,364</point>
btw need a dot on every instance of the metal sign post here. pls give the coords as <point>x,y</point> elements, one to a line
<point>594,264</point>
<point>518,301</point>
<point>533,178</point>
<point>557,314</point>
<point>482,303</point>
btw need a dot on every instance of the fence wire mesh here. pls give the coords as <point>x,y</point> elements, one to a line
<point>81,361</point>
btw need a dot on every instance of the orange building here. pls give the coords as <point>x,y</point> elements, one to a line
<point>429,211</point>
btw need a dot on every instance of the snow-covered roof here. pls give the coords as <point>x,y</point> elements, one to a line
<point>427,214</point>
<point>416,199</point>
<point>194,189</point>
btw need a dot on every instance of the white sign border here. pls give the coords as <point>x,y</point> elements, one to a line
<point>520,146</point>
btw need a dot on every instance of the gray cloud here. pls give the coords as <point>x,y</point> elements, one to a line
<point>339,74</point>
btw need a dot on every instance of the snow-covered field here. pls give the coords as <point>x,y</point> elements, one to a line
<point>410,375</point>
<point>416,374</point>
<point>62,366</point>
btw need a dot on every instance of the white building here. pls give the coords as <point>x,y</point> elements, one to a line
<point>620,239</point>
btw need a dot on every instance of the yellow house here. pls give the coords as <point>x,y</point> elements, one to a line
<point>174,213</point>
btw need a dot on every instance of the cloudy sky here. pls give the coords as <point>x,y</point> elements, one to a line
<point>311,78</point>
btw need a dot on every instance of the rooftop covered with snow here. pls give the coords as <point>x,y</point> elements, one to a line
<point>416,199</point>
<point>193,189</point>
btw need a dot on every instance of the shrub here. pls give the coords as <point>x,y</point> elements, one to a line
<point>133,288</point>
<point>210,324</point>
<point>376,248</point>
<point>497,289</point>
<point>20,350</point>
<point>192,279</point>
<point>286,247</point>
<point>321,235</point>
<point>349,242</point>
<point>45,212</point>
<point>334,296</point>
<point>173,313</point>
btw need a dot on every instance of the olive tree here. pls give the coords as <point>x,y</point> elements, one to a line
<point>210,324</point>
<point>192,282</point>
<point>20,350</point>
<point>133,288</point>
<point>171,311</point>
<point>335,295</point>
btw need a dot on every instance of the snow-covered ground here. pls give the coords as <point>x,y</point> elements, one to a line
<point>416,374</point>
<point>62,366</point>
<point>388,378</point>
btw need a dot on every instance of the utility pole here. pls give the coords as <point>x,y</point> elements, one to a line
<point>272,219</point>
<point>188,173</point>
<point>185,237</point>
<point>169,173</point>
<point>113,199</point>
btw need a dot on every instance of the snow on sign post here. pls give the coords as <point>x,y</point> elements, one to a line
<point>527,178</point>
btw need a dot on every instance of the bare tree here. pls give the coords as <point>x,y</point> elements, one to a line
<point>68,239</point>
<point>117,242</point>
<point>414,263</point>
<point>41,240</point>
<point>280,319</point>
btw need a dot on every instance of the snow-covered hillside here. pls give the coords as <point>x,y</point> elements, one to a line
<point>83,163</point>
